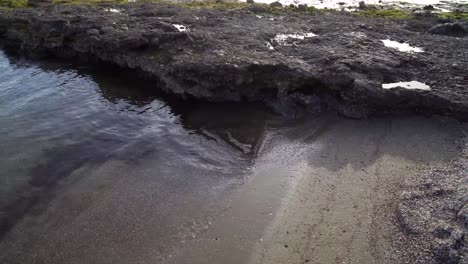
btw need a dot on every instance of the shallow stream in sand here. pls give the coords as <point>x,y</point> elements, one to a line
<point>98,168</point>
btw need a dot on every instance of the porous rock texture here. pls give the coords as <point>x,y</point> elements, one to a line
<point>433,214</point>
<point>234,55</point>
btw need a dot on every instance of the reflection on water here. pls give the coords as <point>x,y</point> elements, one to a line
<point>93,162</point>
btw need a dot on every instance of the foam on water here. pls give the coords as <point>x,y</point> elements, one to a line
<point>413,85</point>
<point>404,47</point>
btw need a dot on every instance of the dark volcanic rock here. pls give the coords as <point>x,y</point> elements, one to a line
<point>37,3</point>
<point>458,29</point>
<point>429,8</point>
<point>302,7</point>
<point>236,55</point>
<point>362,5</point>
<point>463,216</point>
<point>276,4</point>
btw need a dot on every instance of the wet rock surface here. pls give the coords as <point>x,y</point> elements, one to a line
<point>232,55</point>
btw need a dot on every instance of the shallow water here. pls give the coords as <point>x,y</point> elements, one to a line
<point>97,168</point>
<point>318,188</point>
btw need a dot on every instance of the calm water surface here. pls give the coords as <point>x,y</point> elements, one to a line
<point>97,168</point>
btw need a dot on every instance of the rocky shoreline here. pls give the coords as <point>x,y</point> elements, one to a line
<point>290,60</point>
<point>294,61</point>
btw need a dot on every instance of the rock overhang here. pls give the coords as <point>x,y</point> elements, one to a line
<point>223,57</point>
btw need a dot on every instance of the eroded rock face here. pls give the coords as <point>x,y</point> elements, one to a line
<point>232,55</point>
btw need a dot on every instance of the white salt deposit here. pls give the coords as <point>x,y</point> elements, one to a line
<point>269,46</point>
<point>181,28</point>
<point>404,47</point>
<point>284,39</point>
<point>113,10</point>
<point>413,85</point>
<point>356,34</point>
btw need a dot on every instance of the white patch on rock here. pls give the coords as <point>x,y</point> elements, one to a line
<point>113,10</point>
<point>284,39</point>
<point>356,34</point>
<point>181,28</point>
<point>269,46</point>
<point>220,52</point>
<point>258,16</point>
<point>404,47</point>
<point>413,85</point>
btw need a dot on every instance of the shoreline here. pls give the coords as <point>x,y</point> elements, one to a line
<point>330,189</point>
<point>313,199</point>
<point>363,215</point>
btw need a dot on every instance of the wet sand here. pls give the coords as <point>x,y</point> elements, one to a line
<point>343,208</point>
<point>317,190</point>
<point>325,190</point>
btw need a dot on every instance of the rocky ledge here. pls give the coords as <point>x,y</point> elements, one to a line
<point>289,60</point>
